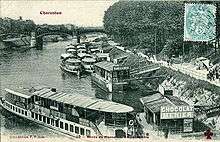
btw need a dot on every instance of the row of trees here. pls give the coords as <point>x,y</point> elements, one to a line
<point>149,24</point>
<point>8,25</point>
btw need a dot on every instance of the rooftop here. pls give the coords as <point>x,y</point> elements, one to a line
<point>155,101</point>
<point>105,65</point>
<point>84,101</point>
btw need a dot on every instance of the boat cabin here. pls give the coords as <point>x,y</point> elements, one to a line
<point>83,55</point>
<point>65,56</point>
<point>61,109</point>
<point>81,51</point>
<point>81,46</point>
<point>19,99</point>
<point>88,63</point>
<point>101,57</point>
<point>71,51</point>
<point>94,51</point>
<point>72,62</point>
<point>108,73</point>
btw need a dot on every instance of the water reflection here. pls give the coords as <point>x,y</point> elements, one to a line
<point>37,67</point>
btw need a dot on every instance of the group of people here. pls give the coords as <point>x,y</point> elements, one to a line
<point>214,73</point>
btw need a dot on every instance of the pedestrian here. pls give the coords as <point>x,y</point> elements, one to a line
<point>166,133</point>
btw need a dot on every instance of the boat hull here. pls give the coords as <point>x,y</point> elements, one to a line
<point>52,127</point>
<point>76,72</point>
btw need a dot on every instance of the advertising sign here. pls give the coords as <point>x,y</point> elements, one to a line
<point>187,125</point>
<point>199,22</point>
<point>176,112</point>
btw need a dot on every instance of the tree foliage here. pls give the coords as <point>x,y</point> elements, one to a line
<point>8,25</point>
<point>149,24</point>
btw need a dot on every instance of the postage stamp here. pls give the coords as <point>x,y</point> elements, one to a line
<point>199,22</point>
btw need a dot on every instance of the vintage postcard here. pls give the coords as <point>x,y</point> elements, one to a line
<point>109,70</point>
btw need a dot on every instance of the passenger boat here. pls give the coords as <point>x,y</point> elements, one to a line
<point>81,51</point>
<point>71,65</point>
<point>87,64</point>
<point>72,51</point>
<point>72,114</point>
<point>83,55</point>
<point>65,56</point>
<point>94,51</point>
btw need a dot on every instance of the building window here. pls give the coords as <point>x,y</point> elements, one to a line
<point>66,126</point>
<point>61,124</point>
<point>71,128</point>
<point>10,106</point>
<point>13,108</point>
<point>32,114</point>
<point>52,122</point>
<point>36,116</point>
<point>48,120</point>
<point>77,130</point>
<point>19,111</point>
<point>88,133</point>
<point>57,123</point>
<point>25,113</point>
<point>16,109</point>
<point>40,117</point>
<point>82,131</point>
<point>22,111</point>
<point>44,119</point>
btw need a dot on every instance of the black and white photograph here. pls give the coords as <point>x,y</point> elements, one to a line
<point>109,70</point>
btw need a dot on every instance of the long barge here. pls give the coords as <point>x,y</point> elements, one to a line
<point>71,114</point>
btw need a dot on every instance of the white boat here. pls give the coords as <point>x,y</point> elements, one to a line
<point>71,65</point>
<point>87,64</point>
<point>65,56</point>
<point>81,51</point>
<point>94,50</point>
<point>71,51</point>
<point>71,114</point>
<point>83,55</point>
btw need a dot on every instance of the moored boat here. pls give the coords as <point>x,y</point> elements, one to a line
<point>71,65</point>
<point>71,114</point>
<point>87,64</point>
<point>65,56</point>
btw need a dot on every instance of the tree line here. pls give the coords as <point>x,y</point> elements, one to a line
<point>156,26</point>
<point>8,25</point>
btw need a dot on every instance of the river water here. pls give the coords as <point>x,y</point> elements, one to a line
<point>37,67</point>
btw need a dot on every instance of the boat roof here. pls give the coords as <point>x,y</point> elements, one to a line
<point>81,49</point>
<point>20,92</point>
<point>65,55</point>
<point>73,60</point>
<point>155,101</point>
<point>94,49</point>
<point>81,46</point>
<point>88,60</point>
<point>83,55</point>
<point>71,49</point>
<point>102,54</point>
<point>84,101</point>
<point>105,65</point>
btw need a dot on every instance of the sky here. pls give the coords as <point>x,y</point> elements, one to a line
<point>78,12</point>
